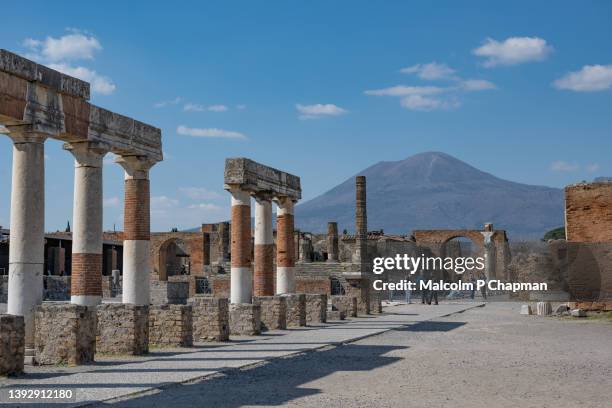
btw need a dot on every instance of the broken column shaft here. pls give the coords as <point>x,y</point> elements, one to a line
<point>332,242</point>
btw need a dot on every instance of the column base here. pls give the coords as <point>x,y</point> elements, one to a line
<point>65,334</point>
<point>122,329</point>
<point>170,326</point>
<point>273,312</point>
<point>12,344</point>
<point>296,309</point>
<point>245,319</point>
<point>210,318</point>
<point>316,308</point>
<point>345,304</point>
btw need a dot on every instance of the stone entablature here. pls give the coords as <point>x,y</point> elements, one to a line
<point>255,178</point>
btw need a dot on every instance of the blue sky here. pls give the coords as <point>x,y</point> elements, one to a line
<point>324,89</point>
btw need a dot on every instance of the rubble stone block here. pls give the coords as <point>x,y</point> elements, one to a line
<point>336,315</point>
<point>12,344</point>
<point>170,326</point>
<point>122,329</point>
<point>65,333</point>
<point>345,304</point>
<point>316,308</point>
<point>273,312</point>
<point>210,318</point>
<point>296,309</point>
<point>245,319</point>
<point>578,313</point>
<point>375,302</point>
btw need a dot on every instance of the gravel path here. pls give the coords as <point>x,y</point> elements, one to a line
<point>485,357</point>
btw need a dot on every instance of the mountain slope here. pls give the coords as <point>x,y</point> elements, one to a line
<point>436,190</point>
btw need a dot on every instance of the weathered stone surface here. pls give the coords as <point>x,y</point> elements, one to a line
<point>588,212</point>
<point>245,319</point>
<point>12,344</point>
<point>170,326</point>
<point>316,308</point>
<point>122,329</point>
<point>273,312</point>
<point>526,310</point>
<point>255,177</point>
<point>65,333</point>
<point>345,304</point>
<point>375,302</point>
<point>33,72</point>
<point>169,292</point>
<point>360,289</point>
<point>335,315</point>
<point>296,309</point>
<point>578,313</point>
<point>210,318</point>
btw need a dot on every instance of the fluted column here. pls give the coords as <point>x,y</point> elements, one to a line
<point>285,261</point>
<point>137,229</point>
<point>27,239</point>
<point>241,278</point>
<point>86,278</point>
<point>263,273</point>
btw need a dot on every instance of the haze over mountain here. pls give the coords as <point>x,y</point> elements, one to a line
<point>436,190</point>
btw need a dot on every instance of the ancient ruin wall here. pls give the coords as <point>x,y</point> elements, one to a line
<point>588,212</point>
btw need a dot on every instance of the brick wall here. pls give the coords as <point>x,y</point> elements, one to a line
<point>588,212</point>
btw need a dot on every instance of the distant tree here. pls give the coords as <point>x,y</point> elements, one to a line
<point>557,233</point>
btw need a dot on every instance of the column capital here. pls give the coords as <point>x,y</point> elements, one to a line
<point>239,196</point>
<point>285,205</point>
<point>24,134</point>
<point>263,196</point>
<point>86,153</point>
<point>136,167</point>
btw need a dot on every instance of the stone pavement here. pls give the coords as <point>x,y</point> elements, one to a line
<point>124,377</point>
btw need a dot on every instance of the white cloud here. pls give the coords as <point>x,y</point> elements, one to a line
<point>163,104</point>
<point>319,110</point>
<point>592,167</point>
<point>206,207</point>
<point>192,107</point>
<point>401,90</point>
<point>476,85</point>
<point>160,204</point>
<point>199,193</point>
<point>563,166</point>
<point>111,202</point>
<point>209,132</point>
<point>70,47</point>
<point>99,84</point>
<point>426,103</point>
<point>513,51</point>
<point>430,71</point>
<point>590,78</point>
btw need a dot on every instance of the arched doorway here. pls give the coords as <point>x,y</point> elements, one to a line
<point>174,259</point>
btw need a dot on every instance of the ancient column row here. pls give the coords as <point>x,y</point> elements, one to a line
<point>244,283</point>
<point>26,253</point>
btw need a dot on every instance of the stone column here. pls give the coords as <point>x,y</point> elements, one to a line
<point>86,280</point>
<point>361,223</point>
<point>137,229</point>
<point>285,261</point>
<point>241,278</point>
<point>296,242</point>
<point>27,240</point>
<point>263,274</point>
<point>489,251</point>
<point>332,242</point>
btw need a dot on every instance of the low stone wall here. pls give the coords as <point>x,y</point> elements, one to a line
<point>65,334</point>
<point>220,285</point>
<point>12,344</point>
<point>360,289</point>
<point>245,319</point>
<point>167,292</point>
<point>375,302</point>
<point>273,312</point>
<point>336,315</point>
<point>296,309</point>
<point>345,304</point>
<point>122,329</point>
<point>316,308</point>
<point>210,318</point>
<point>170,326</point>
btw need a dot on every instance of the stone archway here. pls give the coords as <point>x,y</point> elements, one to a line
<point>173,258</point>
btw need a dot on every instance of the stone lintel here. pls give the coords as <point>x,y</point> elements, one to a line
<point>32,72</point>
<point>254,177</point>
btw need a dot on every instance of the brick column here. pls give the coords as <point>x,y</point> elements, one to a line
<point>285,261</point>
<point>332,242</point>
<point>137,230</point>
<point>86,280</point>
<point>263,274</point>
<point>241,278</point>
<point>27,241</point>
